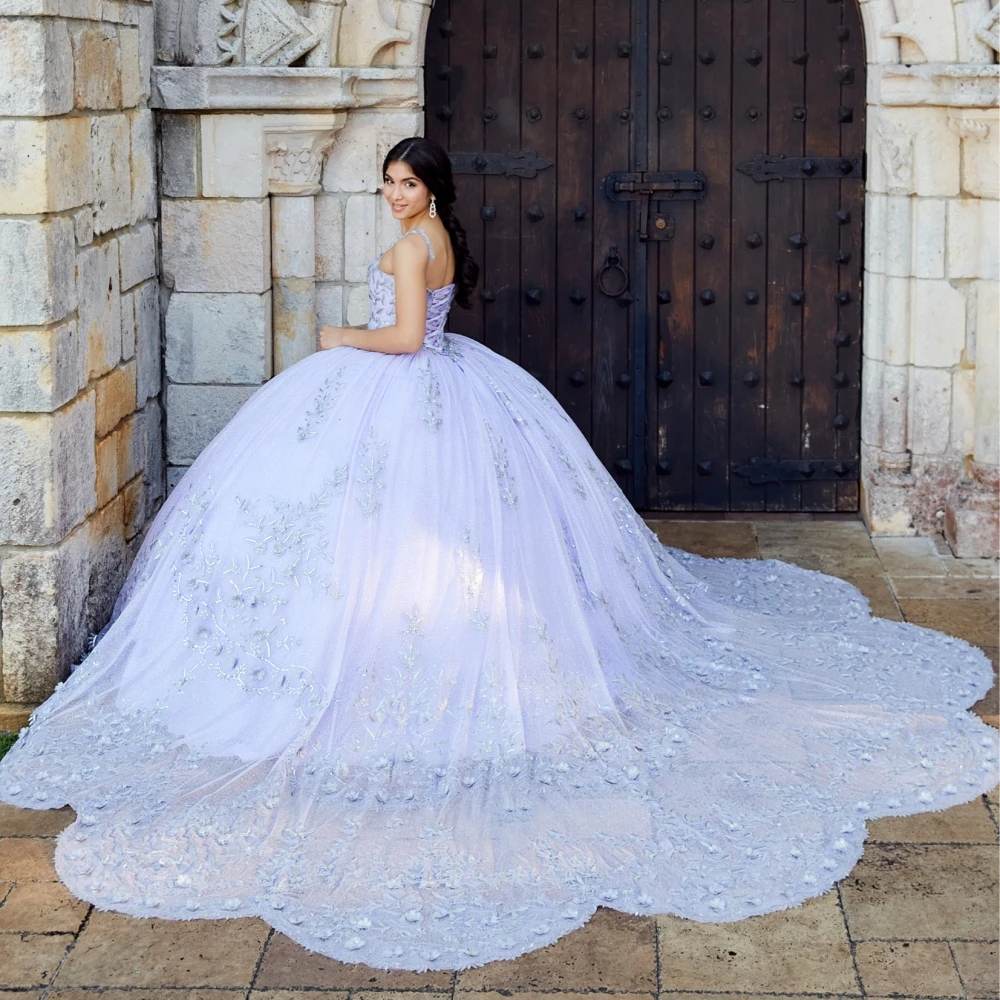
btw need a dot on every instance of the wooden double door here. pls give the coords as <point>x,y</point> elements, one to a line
<point>665,198</point>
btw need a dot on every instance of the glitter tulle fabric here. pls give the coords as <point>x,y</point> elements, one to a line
<point>399,670</point>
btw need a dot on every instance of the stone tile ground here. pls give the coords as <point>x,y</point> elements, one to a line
<point>916,918</point>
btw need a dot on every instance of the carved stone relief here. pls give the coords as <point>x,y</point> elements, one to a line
<point>988,30</point>
<point>320,33</point>
<point>895,147</point>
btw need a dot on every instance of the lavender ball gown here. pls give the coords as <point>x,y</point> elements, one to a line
<point>399,670</point>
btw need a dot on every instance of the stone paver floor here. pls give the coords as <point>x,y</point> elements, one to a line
<point>917,918</point>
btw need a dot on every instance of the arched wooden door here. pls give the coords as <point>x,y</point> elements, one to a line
<point>666,201</point>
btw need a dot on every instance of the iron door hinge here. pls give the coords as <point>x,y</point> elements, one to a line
<point>795,470</point>
<point>764,167</point>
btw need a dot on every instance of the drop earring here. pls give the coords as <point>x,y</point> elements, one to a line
<point>433,212</point>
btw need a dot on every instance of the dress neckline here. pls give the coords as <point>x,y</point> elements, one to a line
<point>378,260</point>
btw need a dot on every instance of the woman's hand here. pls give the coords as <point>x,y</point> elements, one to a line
<point>331,336</point>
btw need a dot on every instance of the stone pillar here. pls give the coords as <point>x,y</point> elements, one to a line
<point>79,328</point>
<point>295,152</point>
<point>929,384</point>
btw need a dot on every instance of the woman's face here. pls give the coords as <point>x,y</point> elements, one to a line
<point>406,193</point>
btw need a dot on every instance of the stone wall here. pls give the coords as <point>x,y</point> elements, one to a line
<point>930,370</point>
<point>79,325</point>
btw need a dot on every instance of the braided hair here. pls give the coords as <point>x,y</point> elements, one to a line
<point>430,163</point>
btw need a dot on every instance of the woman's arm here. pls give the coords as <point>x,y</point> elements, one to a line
<point>406,335</point>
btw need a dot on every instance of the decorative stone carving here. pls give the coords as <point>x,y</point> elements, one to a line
<point>318,33</point>
<point>928,26</point>
<point>895,146</point>
<point>263,33</point>
<point>988,30</point>
<point>966,127</point>
<point>295,156</point>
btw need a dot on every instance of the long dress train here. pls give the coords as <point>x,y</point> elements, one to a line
<point>400,670</point>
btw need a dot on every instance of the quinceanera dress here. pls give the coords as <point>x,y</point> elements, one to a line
<point>400,670</point>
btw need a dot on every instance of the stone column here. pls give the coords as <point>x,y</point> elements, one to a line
<point>295,158</point>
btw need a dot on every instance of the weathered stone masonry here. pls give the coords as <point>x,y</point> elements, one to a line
<point>80,365</point>
<point>241,218</point>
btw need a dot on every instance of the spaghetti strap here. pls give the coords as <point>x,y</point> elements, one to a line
<point>427,240</point>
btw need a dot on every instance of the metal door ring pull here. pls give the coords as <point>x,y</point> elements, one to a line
<point>612,262</point>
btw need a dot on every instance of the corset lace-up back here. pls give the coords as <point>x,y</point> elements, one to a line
<point>382,299</point>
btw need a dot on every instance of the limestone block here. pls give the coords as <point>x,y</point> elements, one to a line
<point>293,237</point>
<point>37,276</point>
<point>929,237</point>
<point>354,162</point>
<point>329,238</point>
<point>329,305</point>
<point>294,321</point>
<point>44,616</point>
<point>986,446</point>
<point>115,397</point>
<point>49,472</point>
<point>36,71</point>
<point>876,207</point>
<point>873,305</point>
<point>359,236</point>
<point>179,156</point>
<point>147,342</point>
<point>153,475</point>
<point>412,20</point>
<point>233,162</point>
<point>113,12</point>
<point>898,235</point>
<point>106,457</point>
<point>356,306</point>
<point>364,33</point>
<point>978,130</point>
<point>44,165</point>
<point>143,172</point>
<point>895,407</point>
<point>97,68</point>
<point>989,239</point>
<point>81,10</point>
<point>144,23</point>
<point>930,410</point>
<point>39,368</point>
<point>196,413</point>
<point>128,42</point>
<point>218,338</point>
<point>83,226</point>
<point>969,16</point>
<point>938,323</point>
<point>100,308</point>
<point>130,440</point>
<point>137,252</point>
<point>963,238</point>
<point>871,402</point>
<point>926,31</point>
<point>896,320</point>
<point>105,563</point>
<point>175,473</point>
<point>963,411</point>
<point>109,155</point>
<point>216,246</point>
<point>914,152</point>
<point>128,325</point>
<point>877,15</point>
<point>133,511</point>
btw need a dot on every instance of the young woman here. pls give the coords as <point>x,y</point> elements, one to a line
<point>400,670</point>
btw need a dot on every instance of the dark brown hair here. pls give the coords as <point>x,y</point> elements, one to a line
<point>430,163</point>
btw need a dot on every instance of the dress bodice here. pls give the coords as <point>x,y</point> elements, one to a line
<point>382,300</point>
